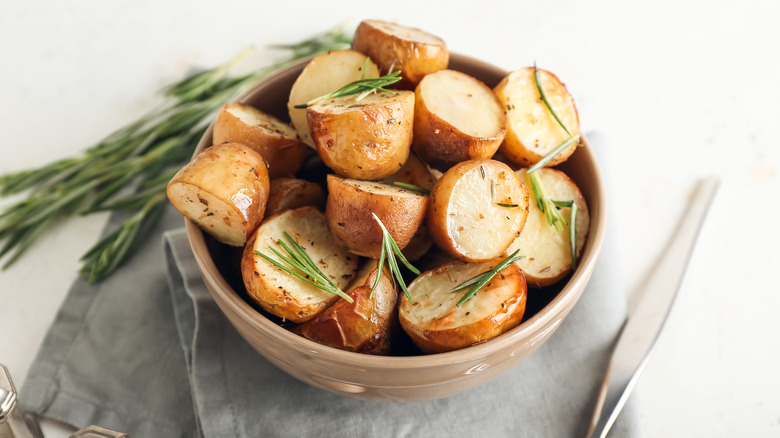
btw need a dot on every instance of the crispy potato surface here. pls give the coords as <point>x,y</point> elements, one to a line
<point>367,139</point>
<point>277,291</point>
<point>436,324</point>
<point>324,74</point>
<point>288,193</point>
<point>532,131</point>
<point>223,190</point>
<point>363,326</point>
<point>395,47</point>
<point>351,204</point>
<point>456,118</point>
<point>548,252</point>
<point>465,217</point>
<point>273,139</point>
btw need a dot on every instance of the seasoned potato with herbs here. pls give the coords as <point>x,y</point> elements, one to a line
<point>277,291</point>
<point>366,139</point>
<point>547,251</point>
<point>350,207</point>
<point>436,323</point>
<point>288,193</point>
<point>273,139</point>
<point>223,190</point>
<point>363,326</point>
<point>325,74</point>
<point>532,131</point>
<point>395,47</point>
<point>456,118</point>
<point>476,209</point>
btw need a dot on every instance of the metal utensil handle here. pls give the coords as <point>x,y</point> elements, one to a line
<point>645,323</point>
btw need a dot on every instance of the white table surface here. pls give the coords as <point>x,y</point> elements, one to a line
<point>681,90</point>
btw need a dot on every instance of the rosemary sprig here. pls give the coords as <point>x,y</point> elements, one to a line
<point>545,204</point>
<point>136,155</point>
<point>572,229</point>
<point>390,251</point>
<point>412,187</point>
<point>302,266</point>
<point>363,87</point>
<point>554,153</point>
<point>546,102</point>
<point>482,279</point>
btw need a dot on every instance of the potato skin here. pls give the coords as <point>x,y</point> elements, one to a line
<point>281,150</point>
<point>441,335</point>
<point>369,143</point>
<point>289,193</point>
<point>349,212</point>
<point>415,59</point>
<point>224,190</point>
<point>442,145</point>
<point>364,326</point>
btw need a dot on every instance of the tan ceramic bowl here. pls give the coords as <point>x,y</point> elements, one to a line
<point>397,378</point>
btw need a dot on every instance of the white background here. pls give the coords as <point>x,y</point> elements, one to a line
<point>680,89</point>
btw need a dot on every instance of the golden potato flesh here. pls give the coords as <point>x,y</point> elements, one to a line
<point>367,139</point>
<point>548,251</point>
<point>476,209</point>
<point>223,190</point>
<point>532,131</point>
<point>351,204</point>
<point>288,193</point>
<point>324,74</point>
<point>456,118</point>
<point>277,291</point>
<point>363,326</point>
<point>395,47</point>
<point>273,139</point>
<point>436,324</point>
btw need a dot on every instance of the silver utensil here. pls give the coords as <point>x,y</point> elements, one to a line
<point>645,322</point>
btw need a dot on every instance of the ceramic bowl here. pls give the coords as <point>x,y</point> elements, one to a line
<point>397,378</point>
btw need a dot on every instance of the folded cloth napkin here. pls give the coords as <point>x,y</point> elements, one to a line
<point>147,352</point>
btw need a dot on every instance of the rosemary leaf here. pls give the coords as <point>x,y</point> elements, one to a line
<point>380,268</point>
<point>545,204</point>
<point>391,250</point>
<point>549,157</point>
<point>485,277</point>
<point>546,102</point>
<point>362,87</point>
<point>573,235</point>
<point>505,205</point>
<point>412,187</point>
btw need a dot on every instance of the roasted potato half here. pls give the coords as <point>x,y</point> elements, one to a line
<point>224,190</point>
<point>456,118</point>
<point>532,131</point>
<point>395,47</point>
<point>548,251</point>
<point>436,324</point>
<point>351,204</point>
<point>324,74</point>
<point>277,291</point>
<point>273,139</point>
<point>363,326</point>
<point>367,139</point>
<point>477,208</point>
<point>288,193</point>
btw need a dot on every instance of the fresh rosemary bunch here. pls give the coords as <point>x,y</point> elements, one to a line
<point>303,266</point>
<point>363,87</point>
<point>135,158</point>
<point>390,251</point>
<point>476,282</point>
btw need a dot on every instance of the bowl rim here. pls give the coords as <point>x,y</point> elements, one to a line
<point>561,304</point>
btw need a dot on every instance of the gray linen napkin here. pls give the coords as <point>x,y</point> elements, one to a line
<point>152,356</point>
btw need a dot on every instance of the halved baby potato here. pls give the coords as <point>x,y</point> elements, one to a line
<point>363,326</point>
<point>273,139</point>
<point>456,118</point>
<point>351,204</point>
<point>477,208</point>
<point>395,47</point>
<point>532,131</point>
<point>223,190</point>
<point>277,291</point>
<point>324,74</point>
<point>289,193</point>
<point>435,322</point>
<point>366,139</point>
<point>548,251</point>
